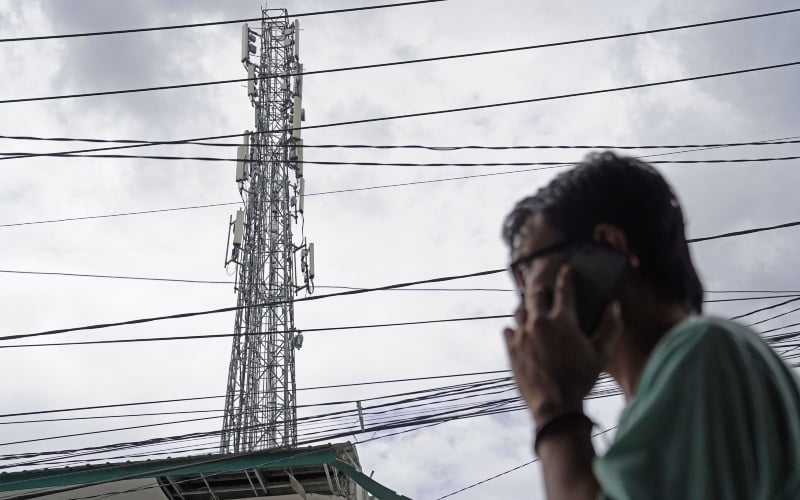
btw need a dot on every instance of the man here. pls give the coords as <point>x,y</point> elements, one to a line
<point>712,412</point>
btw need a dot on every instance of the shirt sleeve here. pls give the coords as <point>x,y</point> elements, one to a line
<point>705,423</point>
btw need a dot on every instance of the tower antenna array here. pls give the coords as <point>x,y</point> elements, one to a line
<point>260,404</point>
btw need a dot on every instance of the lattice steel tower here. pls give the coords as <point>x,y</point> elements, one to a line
<point>260,406</point>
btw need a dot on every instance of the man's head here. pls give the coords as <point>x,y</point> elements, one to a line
<point>619,201</point>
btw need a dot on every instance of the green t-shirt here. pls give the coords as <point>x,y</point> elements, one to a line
<point>716,415</point>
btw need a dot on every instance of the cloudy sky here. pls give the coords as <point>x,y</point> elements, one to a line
<point>365,238</point>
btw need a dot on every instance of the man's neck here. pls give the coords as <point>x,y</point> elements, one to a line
<point>644,329</point>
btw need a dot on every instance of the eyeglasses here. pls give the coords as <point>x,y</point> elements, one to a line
<point>519,267</point>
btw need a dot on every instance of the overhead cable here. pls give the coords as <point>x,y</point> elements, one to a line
<point>444,111</point>
<point>390,164</point>
<point>341,294</point>
<point>251,19</point>
<point>325,329</point>
<point>420,423</point>
<point>265,304</point>
<point>120,214</point>
<point>367,66</point>
<point>184,412</point>
<point>440,148</point>
<point>340,191</point>
<point>462,390</point>
<point>785,293</point>
<point>179,400</point>
<point>779,315</point>
<point>767,308</point>
<point>255,334</point>
<point>473,485</point>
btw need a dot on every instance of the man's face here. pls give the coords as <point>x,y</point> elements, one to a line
<point>541,272</point>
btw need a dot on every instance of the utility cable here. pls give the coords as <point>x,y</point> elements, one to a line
<point>479,386</point>
<point>235,308</point>
<point>747,231</point>
<point>108,276</point>
<point>344,293</point>
<point>365,66</point>
<point>440,148</point>
<point>330,386</point>
<point>448,110</point>
<point>430,181</point>
<point>174,438</point>
<point>779,315</point>
<point>473,485</point>
<point>255,334</point>
<point>767,308</point>
<point>780,328</point>
<point>785,293</point>
<point>325,296</point>
<point>308,194</point>
<point>120,214</point>
<point>421,423</point>
<point>104,417</point>
<point>325,329</point>
<point>258,19</point>
<point>389,164</point>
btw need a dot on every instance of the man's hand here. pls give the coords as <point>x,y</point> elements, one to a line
<point>554,363</point>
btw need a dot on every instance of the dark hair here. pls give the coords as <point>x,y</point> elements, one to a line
<point>632,195</point>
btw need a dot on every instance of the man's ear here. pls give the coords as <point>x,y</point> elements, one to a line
<point>613,236</point>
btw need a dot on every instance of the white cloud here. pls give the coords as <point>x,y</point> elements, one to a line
<point>370,237</point>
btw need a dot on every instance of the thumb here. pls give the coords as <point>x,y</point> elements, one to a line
<point>608,331</point>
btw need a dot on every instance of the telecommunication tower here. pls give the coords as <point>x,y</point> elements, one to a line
<point>260,405</point>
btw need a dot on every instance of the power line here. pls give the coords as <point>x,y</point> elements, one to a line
<point>439,392</point>
<point>329,403</point>
<point>543,99</point>
<point>767,308</point>
<point>741,299</point>
<point>367,66</point>
<point>103,417</point>
<point>389,164</point>
<point>779,315</point>
<point>767,141</point>
<point>109,276</point>
<point>120,214</point>
<point>315,330</point>
<point>493,105</point>
<point>507,471</point>
<point>788,293</point>
<point>420,423</point>
<point>448,110</point>
<point>137,144</point>
<point>489,479</point>
<point>237,21</point>
<point>463,392</point>
<point>747,231</point>
<point>334,386</point>
<point>227,335</point>
<point>234,308</point>
<point>780,328</point>
<point>343,293</point>
<point>440,148</point>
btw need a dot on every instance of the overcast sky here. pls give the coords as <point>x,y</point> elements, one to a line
<point>366,238</point>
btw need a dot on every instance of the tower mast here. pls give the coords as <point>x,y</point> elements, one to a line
<point>260,403</point>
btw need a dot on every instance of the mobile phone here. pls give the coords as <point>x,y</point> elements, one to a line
<point>598,278</point>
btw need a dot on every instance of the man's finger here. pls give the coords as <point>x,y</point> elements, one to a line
<point>564,297</point>
<point>521,314</point>
<point>536,303</point>
<point>610,328</point>
<point>508,334</point>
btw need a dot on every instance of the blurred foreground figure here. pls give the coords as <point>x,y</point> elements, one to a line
<point>607,283</point>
